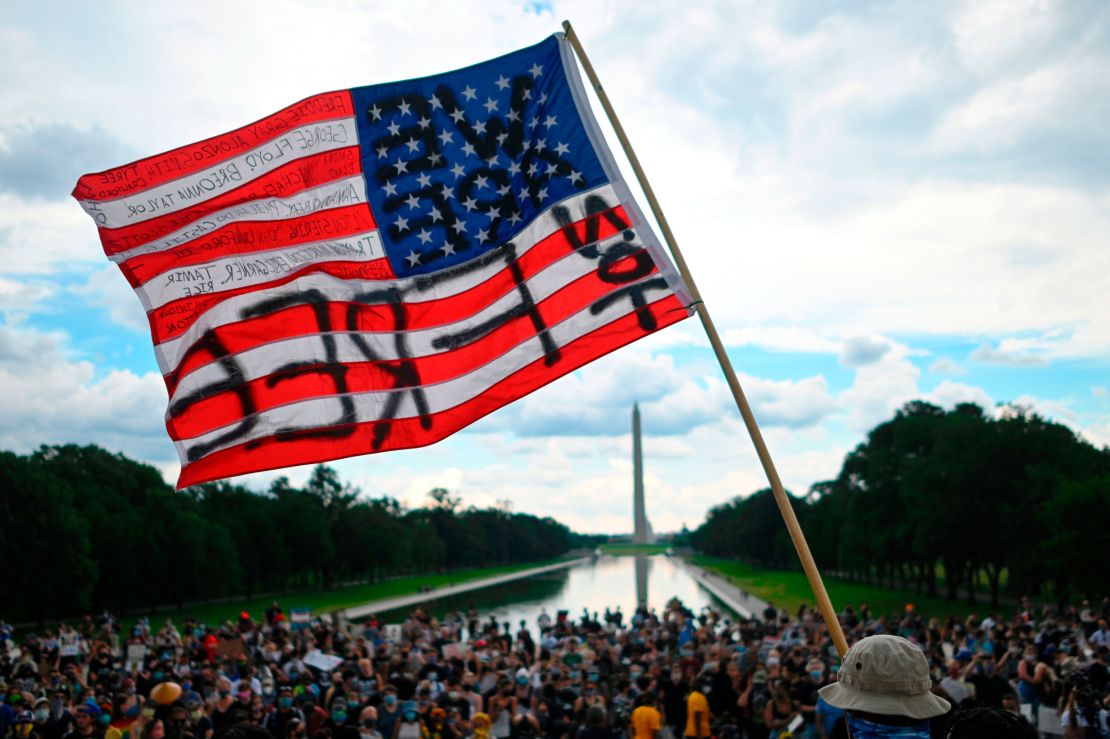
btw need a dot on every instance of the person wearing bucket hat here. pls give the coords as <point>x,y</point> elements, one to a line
<point>884,687</point>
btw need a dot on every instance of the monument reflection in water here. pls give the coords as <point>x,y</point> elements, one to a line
<point>607,582</point>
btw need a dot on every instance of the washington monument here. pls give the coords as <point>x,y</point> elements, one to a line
<point>642,533</point>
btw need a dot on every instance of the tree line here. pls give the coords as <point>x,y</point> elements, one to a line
<point>961,502</point>
<point>85,529</point>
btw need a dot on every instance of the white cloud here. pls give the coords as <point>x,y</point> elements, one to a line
<point>781,338</point>
<point>1099,392</point>
<point>863,350</point>
<point>107,288</point>
<point>946,366</point>
<point>878,390</point>
<point>49,398</point>
<point>20,297</point>
<point>987,353</point>
<point>40,238</point>
<point>949,394</point>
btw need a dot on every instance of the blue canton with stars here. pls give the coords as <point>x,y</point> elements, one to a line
<point>457,164</point>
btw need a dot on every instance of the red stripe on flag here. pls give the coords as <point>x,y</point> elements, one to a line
<point>174,319</point>
<point>407,433</point>
<point>271,391</point>
<point>249,237</point>
<point>296,176</point>
<point>162,168</point>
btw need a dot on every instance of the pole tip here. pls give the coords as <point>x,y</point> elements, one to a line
<point>566,26</point>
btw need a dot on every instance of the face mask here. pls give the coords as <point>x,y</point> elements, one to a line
<point>186,686</point>
<point>369,723</point>
<point>635,675</point>
<point>339,716</point>
<point>410,715</point>
<point>284,702</point>
<point>195,715</point>
<point>105,719</point>
<point>594,677</point>
<point>390,700</point>
<point>352,703</point>
<point>158,675</point>
<point>41,714</point>
<point>816,675</point>
<point>453,695</point>
<point>862,729</point>
<point>224,693</point>
<point>132,712</point>
<point>433,676</point>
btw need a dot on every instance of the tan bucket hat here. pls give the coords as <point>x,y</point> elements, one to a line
<point>887,675</point>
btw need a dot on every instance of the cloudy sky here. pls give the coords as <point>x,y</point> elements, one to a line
<point>880,201</point>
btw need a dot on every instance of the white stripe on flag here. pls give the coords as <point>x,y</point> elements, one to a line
<point>348,191</point>
<point>256,268</point>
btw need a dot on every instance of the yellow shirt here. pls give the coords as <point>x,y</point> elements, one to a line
<point>696,703</point>
<point>645,722</point>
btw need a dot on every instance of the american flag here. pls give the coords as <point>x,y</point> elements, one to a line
<point>377,268</point>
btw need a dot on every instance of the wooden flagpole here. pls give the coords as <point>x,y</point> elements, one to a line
<point>796,535</point>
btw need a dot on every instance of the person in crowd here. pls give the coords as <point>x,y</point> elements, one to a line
<point>697,709</point>
<point>409,725</point>
<point>465,674</point>
<point>986,722</point>
<point>781,711</point>
<point>646,721</point>
<point>885,689</point>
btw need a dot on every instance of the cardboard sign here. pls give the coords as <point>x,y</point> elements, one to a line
<point>321,661</point>
<point>231,648</point>
<point>458,649</point>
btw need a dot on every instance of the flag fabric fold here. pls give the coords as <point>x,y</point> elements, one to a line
<point>376,268</point>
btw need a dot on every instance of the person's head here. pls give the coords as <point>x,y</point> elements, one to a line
<point>885,679</point>
<point>1011,703</point>
<point>153,729</point>
<point>86,715</point>
<point>985,722</point>
<point>294,729</point>
<point>815,669</point>
<point>595,715</point>
<point>242,731</point>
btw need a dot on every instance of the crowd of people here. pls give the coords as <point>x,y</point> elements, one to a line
<point>652,675</point>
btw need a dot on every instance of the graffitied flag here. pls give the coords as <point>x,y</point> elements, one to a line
<point>376,268</point>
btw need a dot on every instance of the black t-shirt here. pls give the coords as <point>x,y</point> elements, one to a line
<point>805,694</point>
<point>990,689</point>
<point>460,704</point>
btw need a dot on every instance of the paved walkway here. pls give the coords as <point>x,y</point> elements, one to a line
<point>743,603</point>
<point>405,601</point>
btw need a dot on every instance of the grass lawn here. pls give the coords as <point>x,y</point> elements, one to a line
<point>789,590</point>
<point>622,550</point>
<point>324,601</point>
